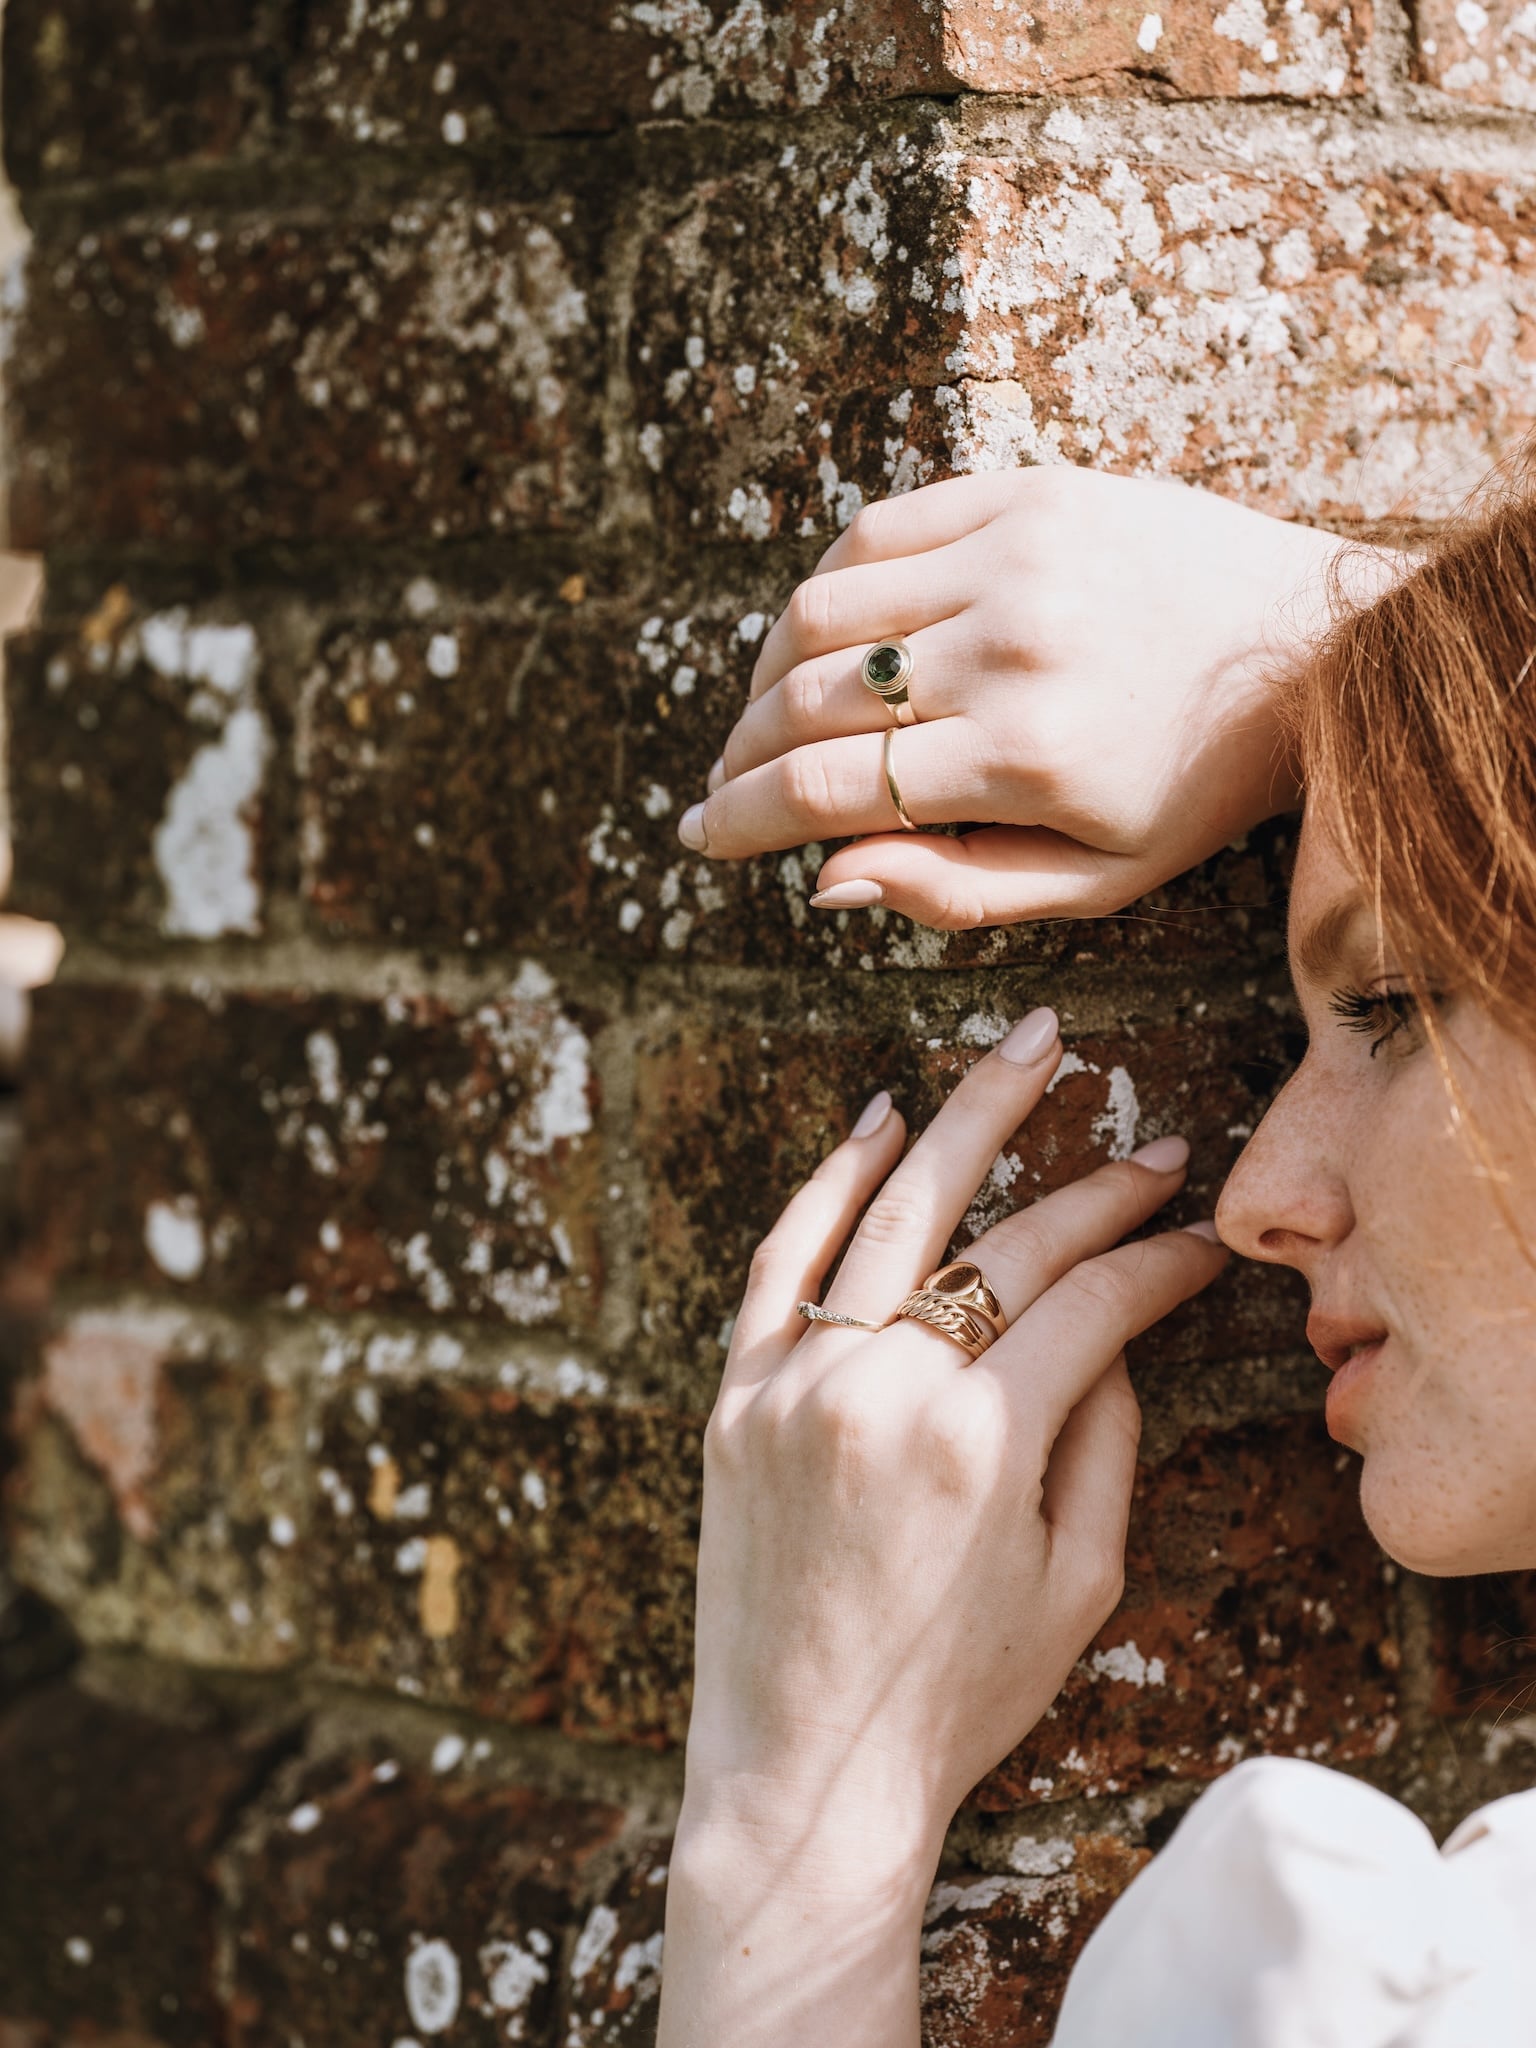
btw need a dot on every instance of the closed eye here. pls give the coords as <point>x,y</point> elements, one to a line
<point>1379,1013</point>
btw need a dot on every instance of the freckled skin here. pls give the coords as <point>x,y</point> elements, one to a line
<point>1359,1178</point>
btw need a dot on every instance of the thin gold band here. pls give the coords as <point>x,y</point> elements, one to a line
<point>815,1313</point>
<point>890,783</point>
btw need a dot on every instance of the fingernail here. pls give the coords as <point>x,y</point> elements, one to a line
<point>876,1110</point>
<point>1030,1039</point>
<point>1205,1230</point>
<point>848,896</point>
<point>716,776</point>
<point>1163,1155</point>
<point>690,829</point>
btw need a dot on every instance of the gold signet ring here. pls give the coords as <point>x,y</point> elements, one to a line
<point>887,670</point>
<point>957,1302</point>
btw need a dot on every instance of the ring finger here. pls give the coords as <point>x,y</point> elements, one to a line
<point>827,696</point>
<point>838,789</point>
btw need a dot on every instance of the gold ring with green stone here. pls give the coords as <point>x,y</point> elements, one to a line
<point>887,669</point>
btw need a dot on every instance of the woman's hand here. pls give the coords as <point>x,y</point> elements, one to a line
<point>903,1553</point>
<point>1094,667</point>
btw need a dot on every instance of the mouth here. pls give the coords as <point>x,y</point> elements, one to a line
<point>1351,1349</point>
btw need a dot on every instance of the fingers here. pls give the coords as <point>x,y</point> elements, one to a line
<point>912,1219</point>
<point>943,770</point>
<point>793,1260</point>
<point>1092,1313</point>
<point>826,696</point>
<point>920,520</point>
<point>857,606</point>
<point>1087,1491</point>
<point>998,875</point>
<point>1029,1252</point>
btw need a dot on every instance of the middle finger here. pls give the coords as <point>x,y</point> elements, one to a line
<point>912,1219</point>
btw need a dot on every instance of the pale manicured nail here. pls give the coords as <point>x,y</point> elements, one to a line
<point>716,776</point>
<point>876,1110</point>
<point>1030,1039</point>
<point>848,896</point>
<point>1205,1230</point>
<point>1163,1155</point>
<point>690,829</point>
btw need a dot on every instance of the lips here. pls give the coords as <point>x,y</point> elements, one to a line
<point>1339,1340</point>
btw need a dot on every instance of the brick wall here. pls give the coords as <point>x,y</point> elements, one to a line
<point>422,408</point>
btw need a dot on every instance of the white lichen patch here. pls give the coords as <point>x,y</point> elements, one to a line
<point>433,1986</point>
<point>204,847</point>
<point>1117,1124</point>
<point>594,1941</point>
<point>1125,1664</point>
<point>512,1975</point>
<point>175,1238</point>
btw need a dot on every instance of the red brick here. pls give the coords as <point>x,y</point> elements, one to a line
<point>721,1155</point>
<point>1323,347</point>
<point>997,1951</point>
<point>1202,49</point>
<point>373,1901</point>
<point>110,1822</point>
<point>151,737</point>
<point>91,87</point>
<point>441,805</point>
<point>319,1150</point>
<point>531,1559</point>
<point>1257,1620</point>
<point>417,73</point>
<point>160,1497</point>
<point>205,379</point>
<point>1485,54</point>
<point>615,1986</point>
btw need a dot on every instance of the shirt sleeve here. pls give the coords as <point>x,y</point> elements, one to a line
<point>1297,1908</point>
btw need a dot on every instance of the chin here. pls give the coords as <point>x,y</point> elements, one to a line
<point>1436,1529</point>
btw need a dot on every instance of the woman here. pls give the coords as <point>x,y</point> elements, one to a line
<point>914,1524</point>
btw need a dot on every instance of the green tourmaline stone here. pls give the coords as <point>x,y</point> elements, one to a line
<point>884,665</point>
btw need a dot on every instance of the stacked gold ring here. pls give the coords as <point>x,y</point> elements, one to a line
<point>957,1302</point>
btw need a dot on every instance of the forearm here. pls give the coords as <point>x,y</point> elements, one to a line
<point>782,1935</point>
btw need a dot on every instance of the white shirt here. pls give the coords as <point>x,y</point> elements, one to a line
<point>1297,1908</point>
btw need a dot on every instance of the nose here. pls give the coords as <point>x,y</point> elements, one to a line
<point>1287,1202</point>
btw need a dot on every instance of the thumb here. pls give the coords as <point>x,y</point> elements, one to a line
<point>1000,874</point>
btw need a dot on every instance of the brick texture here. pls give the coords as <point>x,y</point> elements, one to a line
<point>424,410</point>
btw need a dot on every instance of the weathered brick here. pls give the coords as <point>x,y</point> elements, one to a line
<point>391,74</point>
<point>110,1822</point>
<point>1257,1620</point>
<point>418,73</point>
<point>1199,48</point>
<point>1317,346</point>
<point>1484,54</point>
<point>160,1500</point>
<point>721,1156</point>
<point>440,804</point>
<point>150,737</point>
<point>531,1559</point>
<point>334,1152</point>
<point>208,378</point>
<point>615,1979</point>
<point>92,87</point>
<point>375,1902</point>
<point>997,1951</point>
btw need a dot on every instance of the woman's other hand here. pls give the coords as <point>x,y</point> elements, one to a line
<point>1094,666</point>
<point>903,1553</point>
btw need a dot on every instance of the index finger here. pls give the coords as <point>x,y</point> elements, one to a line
<point>919,520</point>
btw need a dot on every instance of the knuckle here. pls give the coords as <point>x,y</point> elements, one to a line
<point>807,788</point>
<point>957,907</point>
<point>837,1416</point>
<point>804,697</point>
<point>1103,1584</point>
<point>899,1215</point>
<point>1105,1284</point>
<point>811,610</point>
<point>1031,1242</point>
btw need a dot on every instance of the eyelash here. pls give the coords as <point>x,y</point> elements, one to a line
<point>1378,1013</point>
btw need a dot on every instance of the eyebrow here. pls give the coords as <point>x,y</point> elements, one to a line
<point>1320,946</point>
